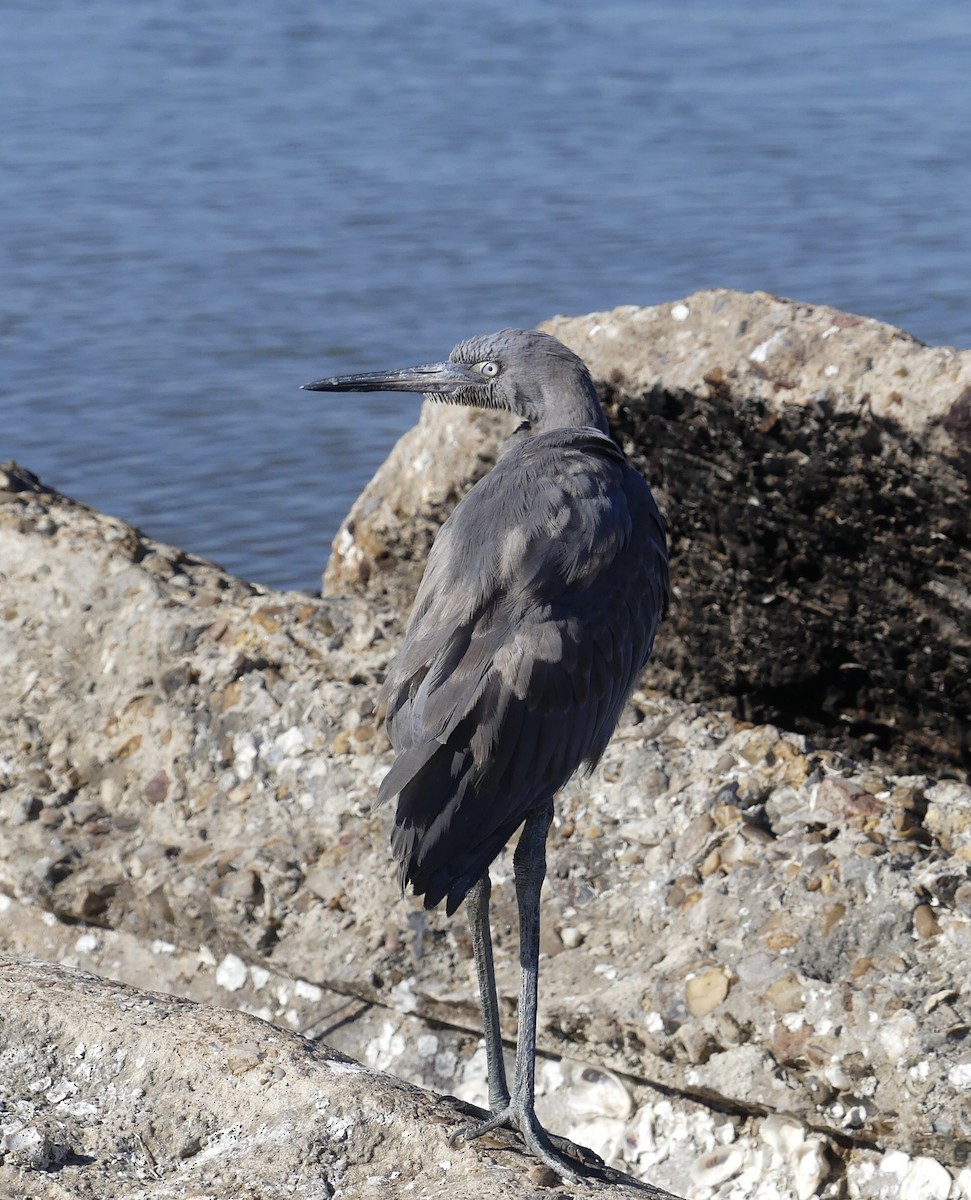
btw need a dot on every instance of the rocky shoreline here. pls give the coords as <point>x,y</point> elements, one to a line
<point>759,908</point>
<point>813,469</point>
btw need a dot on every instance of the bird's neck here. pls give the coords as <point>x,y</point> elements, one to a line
<point>576,407</point>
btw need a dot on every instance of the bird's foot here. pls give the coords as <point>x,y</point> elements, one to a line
<point>559,1154</point>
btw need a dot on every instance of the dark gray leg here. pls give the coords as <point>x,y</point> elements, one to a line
<point>477,903</point>
<point>529,866</point>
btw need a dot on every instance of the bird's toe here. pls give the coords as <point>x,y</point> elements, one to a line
<point>559,1154</point>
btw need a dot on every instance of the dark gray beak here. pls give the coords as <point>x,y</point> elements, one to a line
<point>438,379</point>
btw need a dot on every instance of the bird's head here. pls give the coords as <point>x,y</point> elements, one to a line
<point>522,371</point>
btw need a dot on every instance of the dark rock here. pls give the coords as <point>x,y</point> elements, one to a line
<point>813,468</point>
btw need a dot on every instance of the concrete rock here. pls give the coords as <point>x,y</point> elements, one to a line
<point>813,467</point>
<point>95,1080</point>
<point>752,924</point>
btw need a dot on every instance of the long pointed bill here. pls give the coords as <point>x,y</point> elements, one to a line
<point>435,379</point>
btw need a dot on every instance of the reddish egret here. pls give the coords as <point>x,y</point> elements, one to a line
<point>534,619</point>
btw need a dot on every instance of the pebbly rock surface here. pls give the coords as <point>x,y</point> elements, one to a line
<point>754,951</point>
<point>271,1115</point>
<point>754,974</point>
<point>813,467</point>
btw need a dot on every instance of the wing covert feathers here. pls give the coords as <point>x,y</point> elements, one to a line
<point>536,615</point>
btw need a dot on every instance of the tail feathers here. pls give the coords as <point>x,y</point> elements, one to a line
<point>453,817</point>
<point>453,880</point>
<point>443,851</point>
<point>404,769</point>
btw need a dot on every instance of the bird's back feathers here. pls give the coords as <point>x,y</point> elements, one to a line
<point>536,614</point>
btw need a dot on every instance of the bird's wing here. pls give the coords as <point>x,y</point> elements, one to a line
<point>536,615</point>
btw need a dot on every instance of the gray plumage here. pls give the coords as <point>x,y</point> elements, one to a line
<point>536,614</point>
<point>533,621</point>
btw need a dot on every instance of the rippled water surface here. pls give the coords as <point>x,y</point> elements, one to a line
<point>205,205</point>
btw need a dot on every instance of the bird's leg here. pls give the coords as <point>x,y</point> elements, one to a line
<point>529,867</point>
<point>529,870</point>
<point>477,903</point>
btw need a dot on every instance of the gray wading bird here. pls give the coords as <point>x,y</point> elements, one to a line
<point>535,616</point>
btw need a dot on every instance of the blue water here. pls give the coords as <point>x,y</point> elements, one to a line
<point>203,205</point>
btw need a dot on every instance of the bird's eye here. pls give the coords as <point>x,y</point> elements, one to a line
<point>489,369</point>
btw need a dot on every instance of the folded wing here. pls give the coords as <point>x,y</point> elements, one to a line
<point>536,615</point>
